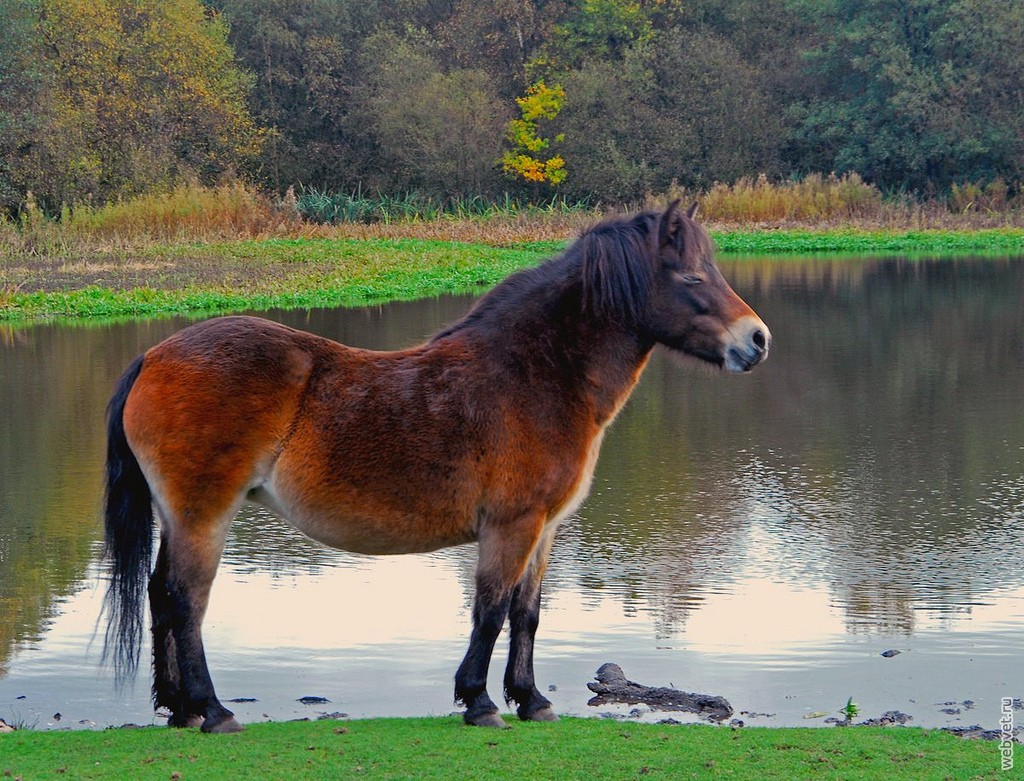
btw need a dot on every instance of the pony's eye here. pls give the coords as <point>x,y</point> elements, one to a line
<point>689,279</point>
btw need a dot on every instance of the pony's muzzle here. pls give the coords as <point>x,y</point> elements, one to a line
<point>747,344</point>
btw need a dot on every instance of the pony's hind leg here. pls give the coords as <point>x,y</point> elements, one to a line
<point>179,592</point>
<point>524,618</point>
<point>167,691</point>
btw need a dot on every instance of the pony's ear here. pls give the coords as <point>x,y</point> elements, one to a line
<point>670,229</point>
<point>692,211</point>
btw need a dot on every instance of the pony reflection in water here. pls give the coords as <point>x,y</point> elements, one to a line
<point>488,432</point>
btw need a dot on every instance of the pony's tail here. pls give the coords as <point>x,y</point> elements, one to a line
<point>128,526</point>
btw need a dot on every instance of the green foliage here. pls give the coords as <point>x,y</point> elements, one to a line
<point>130,96</point>
<point>322,206</point>
<point>850,710</point>
<point>276,273</point>
<point>914,94</point>
<point>109,99</point>
<point>20,85</point>
<point>314,65</point>
<point>601,29</point>
<point>930,243</point>
<point>439,128</point>
<point>295,273</point>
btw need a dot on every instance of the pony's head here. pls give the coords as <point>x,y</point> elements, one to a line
<point>656,273</point>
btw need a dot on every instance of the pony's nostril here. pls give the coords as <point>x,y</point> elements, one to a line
<point>759,339</point>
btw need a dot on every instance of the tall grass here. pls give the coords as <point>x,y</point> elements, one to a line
<point>191,212</point>
<point>811,199</point>
<point>818,201</point>
<point>188,212</point>
<point>335,208</point>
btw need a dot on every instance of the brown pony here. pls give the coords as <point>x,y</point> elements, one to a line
<point>489,432</point>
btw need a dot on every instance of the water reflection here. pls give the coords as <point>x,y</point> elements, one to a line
<point>865,483</point>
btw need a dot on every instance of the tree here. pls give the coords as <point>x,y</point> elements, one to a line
<point>439,132</point>
<point>500,37</point>
<point>20,84</point>
<point>600,30</point>
<point>913,93</point>
<point>524,159</point>
<point>132,95</point>
<point>683,107</point>
<point>311,87</point>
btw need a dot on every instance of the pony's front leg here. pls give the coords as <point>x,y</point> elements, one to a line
<point>505,551</point>
<point>489,611</point>
<point>524,618</point>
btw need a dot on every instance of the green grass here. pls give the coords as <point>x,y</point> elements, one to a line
<point>1002,241</point>
<point>443,749</point>
<point>290,273</point>
<point>285,273</point>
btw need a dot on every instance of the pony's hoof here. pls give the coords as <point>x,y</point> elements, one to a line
<point>487,719</point>
<point>223,726</point>
<point>543,714</point>
<point>184,722</point>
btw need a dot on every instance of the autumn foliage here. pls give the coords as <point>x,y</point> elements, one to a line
<point>129,96</point>
<point>595,101</point>
<point>525,159</point>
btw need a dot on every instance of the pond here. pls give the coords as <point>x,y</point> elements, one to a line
<point>765,538</point>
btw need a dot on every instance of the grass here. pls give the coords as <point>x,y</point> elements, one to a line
<point>288,273</point>
<point>222,276</point>
<point>1002,241</point>
<point>441,748</point>
<point>197,250</point>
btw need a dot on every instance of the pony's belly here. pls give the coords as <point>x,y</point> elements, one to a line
<point>379,535</point>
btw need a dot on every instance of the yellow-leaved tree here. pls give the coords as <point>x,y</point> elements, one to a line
<point>525,159</point>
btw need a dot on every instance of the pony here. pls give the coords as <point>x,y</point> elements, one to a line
<point>488,433</point>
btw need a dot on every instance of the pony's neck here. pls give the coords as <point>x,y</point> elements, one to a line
<point>535,330</point>
<point>611,362</point>
<point>593,357</point>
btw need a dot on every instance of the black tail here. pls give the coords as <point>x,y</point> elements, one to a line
<point>128,524</point>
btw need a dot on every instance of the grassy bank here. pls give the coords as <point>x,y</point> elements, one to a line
<point>442,748</point>
<point>154,278</point>
<point>230,276</point>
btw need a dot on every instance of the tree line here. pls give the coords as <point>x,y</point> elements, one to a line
<point>601,100</point>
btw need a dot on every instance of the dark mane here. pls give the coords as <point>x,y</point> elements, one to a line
<point>610,266</point>
<point>617,264</point>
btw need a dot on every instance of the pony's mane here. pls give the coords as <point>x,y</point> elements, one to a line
<point>610,264</point>
<point>617,272</point>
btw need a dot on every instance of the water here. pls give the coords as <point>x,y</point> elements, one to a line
<point>763,537</point>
